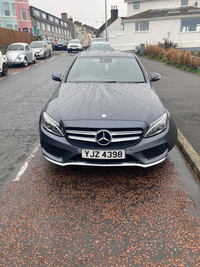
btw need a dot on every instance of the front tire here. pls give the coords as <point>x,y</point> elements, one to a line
<point>173,134</point>
<point>50,54</point>
<point>25,63</point>
<point>35,59</point>
<point>5,69</point>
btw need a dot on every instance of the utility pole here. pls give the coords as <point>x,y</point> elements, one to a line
<point>106,19</point>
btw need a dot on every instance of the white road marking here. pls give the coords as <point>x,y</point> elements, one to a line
<point>51,59</point>
<point>27,68</point>
<point>15,73</point>
<point>26,164</point>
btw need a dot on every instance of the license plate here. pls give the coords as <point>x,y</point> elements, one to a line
<point>103,154</point>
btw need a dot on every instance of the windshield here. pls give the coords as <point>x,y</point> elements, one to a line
<point>106,69</point>
<point>97,46</point>
<point>97,40</point>
<point>61,42</point>
<point>36,45</point>
<point>15,47</point>
<point>75,42</point>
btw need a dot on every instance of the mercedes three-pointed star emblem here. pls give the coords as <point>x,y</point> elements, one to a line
<point>103,137</point>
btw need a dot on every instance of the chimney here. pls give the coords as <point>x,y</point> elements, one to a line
<point>114,12</point>
<point>71,19</point>
<point>64,16</point>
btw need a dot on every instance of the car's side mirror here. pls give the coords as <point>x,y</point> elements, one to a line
<point>155,77</point>
<point>57,76</point>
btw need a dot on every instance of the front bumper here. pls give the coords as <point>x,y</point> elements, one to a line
<point>74,49</point>
<point>148,152</point>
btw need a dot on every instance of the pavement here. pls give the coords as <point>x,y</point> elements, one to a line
<point>182,101</point>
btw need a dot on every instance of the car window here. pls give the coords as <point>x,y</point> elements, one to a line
<point>102,46</point>
<point>75,42</point>
<point>36,45</point>
<point>15,47</point>
<point>106,69</point>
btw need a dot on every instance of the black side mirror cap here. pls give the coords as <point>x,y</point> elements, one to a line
<point>155,77</point>
<point>57,76</point>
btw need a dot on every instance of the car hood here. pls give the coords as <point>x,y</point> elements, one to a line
<point>12,55</point>
<point>117,101</point>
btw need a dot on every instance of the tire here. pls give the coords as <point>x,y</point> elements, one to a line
<point>45,55</point>
<point>35,59</point>
<point>50,54</point>
<point>173,134</point>
<point>5,69</point>
<point>25,63</point>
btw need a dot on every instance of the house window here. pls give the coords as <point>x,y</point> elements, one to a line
<point>56,29</point>
<point>184,2</point>
<point>61,22</point>
<point>16,28</point>
<point>48,28</point>
<point>142,26</point>
<point>50,18</point>
<point>65,32</point>
<point>28,13</point>
<point>23,14</point>
<point>21,0</point>
<point>6,9</point>
<point>9,26</point>
<point>65,24</point>
<point>25,30</point>
<point>36,12</point>
<point>13,10</point>
<point>38,24</point>
<point>53,29</point>
<point>136,5</point>
<point>190,25</point>
<point>44,16</point>
<point>43,26</point>
<point>56,21</point>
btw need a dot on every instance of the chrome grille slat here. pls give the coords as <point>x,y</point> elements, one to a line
<point>87,137</point>
<point>126,133</point>
<point>80,132</point>
<point>125,139</point>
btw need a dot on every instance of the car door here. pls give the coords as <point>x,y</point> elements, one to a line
<point>29,53</point>
<point>46,48</point>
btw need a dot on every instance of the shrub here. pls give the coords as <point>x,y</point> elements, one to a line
<point>167,44</point>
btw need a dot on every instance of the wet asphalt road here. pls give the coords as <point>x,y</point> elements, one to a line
<point>54,216</point>
<point>180,93</point>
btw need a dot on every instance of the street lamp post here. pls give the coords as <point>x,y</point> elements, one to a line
<point>106,19</point>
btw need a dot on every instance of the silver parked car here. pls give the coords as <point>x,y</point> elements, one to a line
<point>20,53</point>
<point>3,65</point>
<point>41,49</point>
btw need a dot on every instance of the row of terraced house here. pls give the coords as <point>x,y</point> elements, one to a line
<point>18,15</point>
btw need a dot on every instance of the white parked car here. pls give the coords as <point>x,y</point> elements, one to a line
<point>3,65</point>
<point>20,53</point>
<point>41,49</point>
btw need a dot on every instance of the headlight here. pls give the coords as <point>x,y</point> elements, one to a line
<point>19,58</point>
<point>158,125</point>
<point>51,125</point>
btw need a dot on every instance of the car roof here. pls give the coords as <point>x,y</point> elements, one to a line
<point>100,42</point>
<point>19,44</point>
<point>107,53</point>
<point>38,42</point>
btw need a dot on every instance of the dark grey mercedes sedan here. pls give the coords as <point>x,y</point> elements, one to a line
<point>105,112</point>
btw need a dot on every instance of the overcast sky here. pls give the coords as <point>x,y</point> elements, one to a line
<point>85,11</point>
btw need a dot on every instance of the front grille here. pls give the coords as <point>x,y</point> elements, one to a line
<point>120,137</point>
